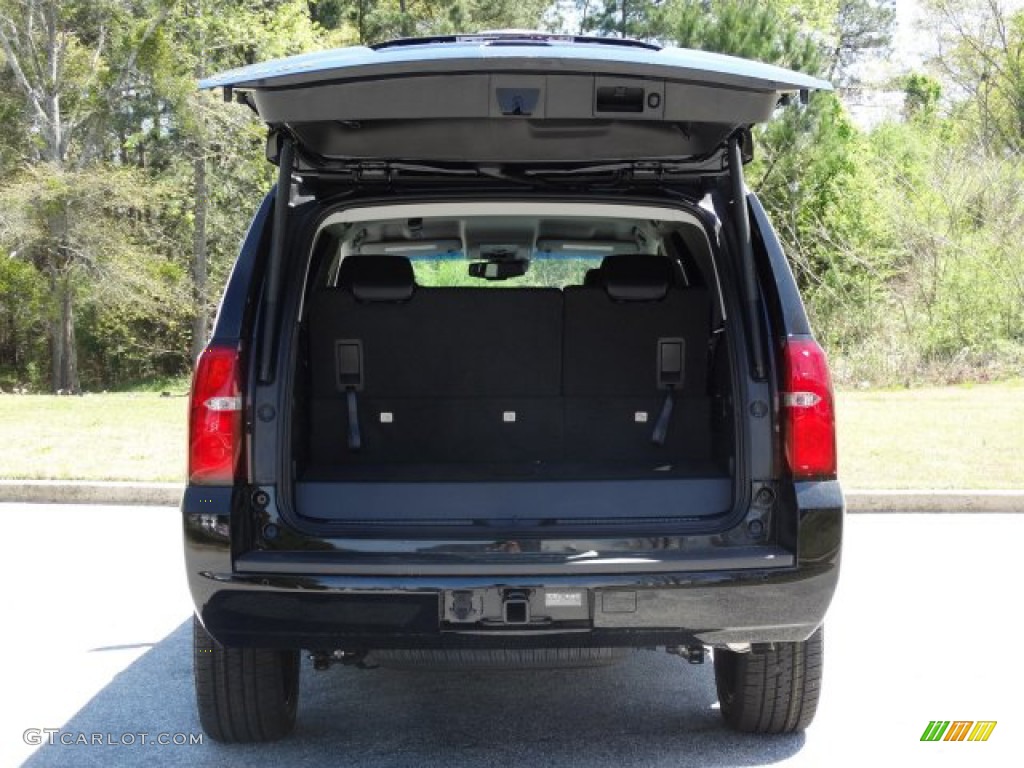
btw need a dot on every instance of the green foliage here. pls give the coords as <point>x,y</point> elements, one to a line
<point>746,28</point>
<point>981,51</point>
<point>810,170</point>
<point>372,21</point>
<point>620,18</point>
<point>815,17</point>
<point>126,288</point>
<point>820,36</point>
<point>922,94</point>
<point>69,64</point>
<point>22,323</point>
<point>189,133</point>
<point>953,306</point>
<point>904,240</point>
<point>862,27</point>
<point>441,274</point>
<point>815,180</point>
<point>542,273</point>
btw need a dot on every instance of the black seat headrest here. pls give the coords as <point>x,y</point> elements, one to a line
<point>377,278</point>
<point>592,278</point>
<point>633,277</point>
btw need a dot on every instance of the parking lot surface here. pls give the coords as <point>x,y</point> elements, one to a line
<point>97,643</point>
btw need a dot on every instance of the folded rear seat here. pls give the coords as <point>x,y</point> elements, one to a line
<point>634,341</point>
<point>437,375</point>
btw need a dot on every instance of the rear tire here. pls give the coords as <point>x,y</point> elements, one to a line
<point>244,694</point>
<point>771,691</point>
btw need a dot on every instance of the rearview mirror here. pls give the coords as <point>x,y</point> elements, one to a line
<point>499,270</point>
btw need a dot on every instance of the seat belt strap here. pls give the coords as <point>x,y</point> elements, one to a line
<point>671,354</point>
<point>348,367</point>
<point>664,419</point>
<point>355,440</point>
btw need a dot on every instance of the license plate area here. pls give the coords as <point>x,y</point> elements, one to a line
<point>516,607</point>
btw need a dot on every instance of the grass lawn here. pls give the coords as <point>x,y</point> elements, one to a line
<point>952,437</point>
<point>93,437</point>
<point>970,436</point>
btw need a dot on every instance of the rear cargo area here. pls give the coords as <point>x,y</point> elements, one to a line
<point>605,399</point>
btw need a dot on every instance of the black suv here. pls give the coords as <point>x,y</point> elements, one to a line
<point>511,369</point>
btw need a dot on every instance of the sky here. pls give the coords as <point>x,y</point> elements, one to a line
<point>910,45</point>
<point>911,49</point>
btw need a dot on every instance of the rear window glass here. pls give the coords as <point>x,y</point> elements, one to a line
<point>541,273</point>
<point>498,251</point>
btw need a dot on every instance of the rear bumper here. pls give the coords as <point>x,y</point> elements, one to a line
<point>340,612</point>
<point>711,602</point>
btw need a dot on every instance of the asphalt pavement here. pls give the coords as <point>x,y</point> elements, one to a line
<point>925,626</point>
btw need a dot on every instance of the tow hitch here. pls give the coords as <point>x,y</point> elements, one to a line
<point>692,653</point>
<point>516,607</point>
<point>323,660</point>
<point>497,608</point>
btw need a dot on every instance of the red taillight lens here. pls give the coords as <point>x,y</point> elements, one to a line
<point>215,418</point>
<point>808,412</point>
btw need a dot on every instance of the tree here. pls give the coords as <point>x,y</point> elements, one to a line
<point>373,21</point>
<point>106,217</point>
<point>981,51</point>
<point>863,28</point>
<point>808,170</point>
<point>72,63</point>
<point>921,96</point>
<point>22,326</point>
<point>212,35</point>
<point>746,28</point>
<point>621,18</point>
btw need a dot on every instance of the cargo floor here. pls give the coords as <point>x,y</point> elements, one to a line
<point>512,492</point>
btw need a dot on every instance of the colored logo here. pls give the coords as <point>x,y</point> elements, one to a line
<point>958,730</point>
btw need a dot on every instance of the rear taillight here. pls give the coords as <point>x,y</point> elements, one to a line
<point>215,418</point>
<point>808,412</point>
